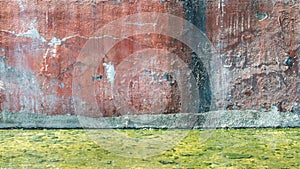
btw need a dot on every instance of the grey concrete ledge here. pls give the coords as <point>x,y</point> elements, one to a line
<point>214,119</point>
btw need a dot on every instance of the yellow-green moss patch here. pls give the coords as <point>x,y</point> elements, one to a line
<point>243,148</point>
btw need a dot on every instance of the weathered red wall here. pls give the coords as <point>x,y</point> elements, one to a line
<point>40,42</point>
<point>255,52</point>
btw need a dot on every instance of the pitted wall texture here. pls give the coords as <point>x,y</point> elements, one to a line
<point>259,43</point>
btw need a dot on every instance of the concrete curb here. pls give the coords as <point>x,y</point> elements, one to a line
<point>214,119</point>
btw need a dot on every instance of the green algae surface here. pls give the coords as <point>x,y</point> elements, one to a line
<point>235,148</point>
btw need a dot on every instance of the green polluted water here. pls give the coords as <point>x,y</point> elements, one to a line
<point>224,148</point>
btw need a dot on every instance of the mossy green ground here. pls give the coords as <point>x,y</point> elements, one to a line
<point>242,148</point>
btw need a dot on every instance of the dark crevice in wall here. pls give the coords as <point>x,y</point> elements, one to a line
<point>195,13</point>
<point>202,79</point>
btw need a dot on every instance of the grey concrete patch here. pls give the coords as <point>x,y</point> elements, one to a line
<point>215,119</point>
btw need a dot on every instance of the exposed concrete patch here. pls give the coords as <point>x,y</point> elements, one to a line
<point>216,119</point>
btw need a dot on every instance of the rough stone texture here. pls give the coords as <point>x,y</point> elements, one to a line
<point>208,120</point>
<point>40,41</point>
<point>255,51</point>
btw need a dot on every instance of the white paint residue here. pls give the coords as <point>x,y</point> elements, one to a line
<point>32,33</point>
<point>22,7</point>
<point>141,23</point>
<point>54,51</point>
<point>1,85</point>
<point>55,41</point>
<point>110,72</point>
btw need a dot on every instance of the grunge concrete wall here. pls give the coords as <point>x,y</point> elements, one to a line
<point>259,43</point>
<point>40,40</point>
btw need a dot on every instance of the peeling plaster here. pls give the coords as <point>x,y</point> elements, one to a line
<point>110,72</point>
<point>21,5</point>
<point>1,85</point>
<point>31,33</point>
<point>55,41</point>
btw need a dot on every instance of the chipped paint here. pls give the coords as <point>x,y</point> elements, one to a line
<point>1,85</point>
<point>21,5</point>
<point>55,41</point>
<point>110,72</point>
<point>32,33</point>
